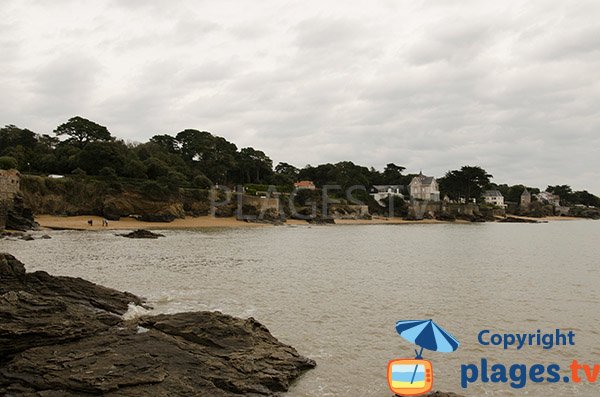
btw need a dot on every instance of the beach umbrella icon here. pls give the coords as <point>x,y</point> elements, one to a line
<point>427,335</point>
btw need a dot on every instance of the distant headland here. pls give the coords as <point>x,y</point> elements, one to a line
<point>83,170</point>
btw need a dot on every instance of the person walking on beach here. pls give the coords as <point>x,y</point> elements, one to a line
<point>90,222</point>
<point>105,222</point>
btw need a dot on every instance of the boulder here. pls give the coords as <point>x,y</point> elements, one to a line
<point>512,219</point>
<point>142,233</point>
<point>62,336</point>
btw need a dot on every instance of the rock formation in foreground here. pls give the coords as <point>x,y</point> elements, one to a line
<point>63,336</point>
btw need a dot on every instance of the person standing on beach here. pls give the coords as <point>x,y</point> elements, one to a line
<point>90,222</point>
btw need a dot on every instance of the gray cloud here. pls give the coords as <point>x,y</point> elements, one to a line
<point>511,86</point>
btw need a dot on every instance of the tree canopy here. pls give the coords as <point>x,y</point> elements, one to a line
<point>466,183</point>
<point>195,158</point>
<point>83,131</point>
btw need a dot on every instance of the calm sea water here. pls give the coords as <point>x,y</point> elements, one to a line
<point>335,292</point>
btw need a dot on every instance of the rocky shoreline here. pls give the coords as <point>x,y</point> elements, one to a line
<point>63,336</point>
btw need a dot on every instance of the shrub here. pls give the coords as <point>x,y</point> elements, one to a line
<point>108,172</point>
<point>202,182</point>
<point>7,162</point>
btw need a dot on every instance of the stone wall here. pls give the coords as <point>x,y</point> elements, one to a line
<point>10,181</point>
<point>261,203</point>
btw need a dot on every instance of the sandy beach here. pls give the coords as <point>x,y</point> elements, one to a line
<point>80,222</point>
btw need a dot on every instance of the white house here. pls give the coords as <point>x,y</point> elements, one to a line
<point>424,188</point>
<point>553,199</point>
<point>494,197</point>
<point>381,192</point>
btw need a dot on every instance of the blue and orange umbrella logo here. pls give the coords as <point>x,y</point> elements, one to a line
<point>413,377</point>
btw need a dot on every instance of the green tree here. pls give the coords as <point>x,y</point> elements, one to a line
<point>82,131</point>
<point>392,174</point>
<point>467,183</point>
<point>564,191</point>
<point>97,155</point>
<point>167,142</point>
<point>254,165</point>
<point>287,170</point>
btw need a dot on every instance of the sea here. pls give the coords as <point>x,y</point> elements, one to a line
<point>335,293</point>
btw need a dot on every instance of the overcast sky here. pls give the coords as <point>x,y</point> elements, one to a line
<point>513,86</point>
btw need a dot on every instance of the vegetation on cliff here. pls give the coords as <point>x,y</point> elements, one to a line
<point>157,170</point>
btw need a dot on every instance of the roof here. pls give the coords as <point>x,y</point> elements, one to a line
<point>423,180</point>
<point>492,193</point>
<point>526,192</point>
<point>304,184</point>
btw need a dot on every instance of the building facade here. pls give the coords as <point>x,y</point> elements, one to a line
<point>424,188</point>
<point>381,192</point>
<point>550,198</point>
<point>494,197</point>
<point>525,198</point>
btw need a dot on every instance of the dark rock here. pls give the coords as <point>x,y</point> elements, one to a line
<point>62,345</point>
<point>157,218</point>
<point>27,237</point>
<point>72,290</point>
<point>46,237</point>
<point>19,217</point>
<point>445,216</point>
<point>142,233</point>
<point>111,217</point>
<point>28,320</point>
<point>512,219</point>
<point>252,214</point>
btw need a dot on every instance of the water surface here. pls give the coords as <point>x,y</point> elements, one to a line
<point>335,292</point>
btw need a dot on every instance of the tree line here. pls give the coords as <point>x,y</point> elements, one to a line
<point>193,158</point>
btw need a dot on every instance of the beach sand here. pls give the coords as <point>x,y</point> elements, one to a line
<point>80,222</point>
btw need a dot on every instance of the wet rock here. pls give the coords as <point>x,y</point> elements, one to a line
<point>28,320</point>
<point>71,290</point>
<point>46,237</point>
<point>27,237</point>
<point>142,233</point>
<point>65,345</point>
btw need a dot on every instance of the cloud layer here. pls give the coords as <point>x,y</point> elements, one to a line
<point>512,86</point>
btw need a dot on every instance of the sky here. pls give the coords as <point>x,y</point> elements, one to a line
<point>512,86</point>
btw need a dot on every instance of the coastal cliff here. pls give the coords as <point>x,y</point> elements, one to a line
<point>63,336</point>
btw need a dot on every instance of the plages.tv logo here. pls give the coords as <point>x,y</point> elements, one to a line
<point>414,376</point>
